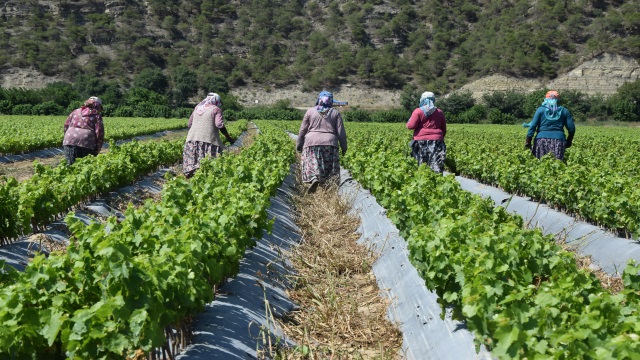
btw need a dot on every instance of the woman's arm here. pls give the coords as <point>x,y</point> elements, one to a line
<point>304,128</point>
<point>67,123</point>
<point>218,121</point>
<point>533,127</point>
<point>341,133</point>
<point>414,120</point>
<point>444,126</point>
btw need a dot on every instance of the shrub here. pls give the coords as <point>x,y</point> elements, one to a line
<point>474,115</point>
<point>123,111</point>
<point>356,116</point>
<point>509,102</point>
<point>5,107</point>
<point>47,108</point>
<point>182,113</point>
<point>390,116</point>
<point>22,109</point>
<point>410,97</point>
<point>498,117</point>
<point>230,115</point>
<point>456,103</point>
<point>76,104</point>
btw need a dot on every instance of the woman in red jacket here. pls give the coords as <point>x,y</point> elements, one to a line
<point>429,128</point>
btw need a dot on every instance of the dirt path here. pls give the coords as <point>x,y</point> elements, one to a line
<point>23,170</point>
<point>342,314</point>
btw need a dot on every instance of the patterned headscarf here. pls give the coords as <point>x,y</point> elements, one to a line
<point>427,103</point>
<point>551,104</point>
<point>324,102</point>
<point>92,106</point>
<point>212,99</point>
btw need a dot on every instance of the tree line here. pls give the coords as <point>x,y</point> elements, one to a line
<point>144,100</point>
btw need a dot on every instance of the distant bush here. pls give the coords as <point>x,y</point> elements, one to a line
<point>22,109</point>
<point>474,115</point>
<point>456,103</point>
<point>356,116</point>
<point>47,108</point>
<point>76,104</point>
<point>508,102</point>
<point>390,116</point>
<point>498,117</point>
<point>5,107</point>
<point>123,111</point>
<point>264,113</point>
<point>625,104</point>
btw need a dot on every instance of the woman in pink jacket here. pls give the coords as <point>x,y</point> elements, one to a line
<point>429,128</point>
<point>320,134</point>
<point>84,131</point>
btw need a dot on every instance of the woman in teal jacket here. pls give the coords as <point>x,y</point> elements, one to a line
<point>548,126</point>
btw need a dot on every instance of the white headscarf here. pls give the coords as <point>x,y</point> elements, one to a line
<point>427,103</point>
<point>212,99</point>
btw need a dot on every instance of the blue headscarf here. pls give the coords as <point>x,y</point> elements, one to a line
<point>551,104</point>
<point>427,103</point>
<point>324,102</point>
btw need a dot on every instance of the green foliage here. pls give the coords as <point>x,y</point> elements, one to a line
<point>393,43</point>
<point>47,108</point>
<point>456,103</point>
<point>625,104</point>
<point>508,102</point>
<point>151,273</point>
<point>214,83</point>
<point>475,115</point>
<point>152,79</point>
<point>185,84</point>
<point>390,116</point>
<point>356,116</point>
<point>410,97</point>
<point>17,133</point>
<point>517,291</point>
<point>137,96</point>
<point>496,116</point>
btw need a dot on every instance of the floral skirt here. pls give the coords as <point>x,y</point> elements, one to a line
<point>542,147</point>
<point>320,163</point>
<point>193,152</point>
<point>430,152</point>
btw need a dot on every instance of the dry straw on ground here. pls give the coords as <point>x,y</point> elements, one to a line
<point>342,313</point>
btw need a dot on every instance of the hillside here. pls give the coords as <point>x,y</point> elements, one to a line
<point>265,45</point>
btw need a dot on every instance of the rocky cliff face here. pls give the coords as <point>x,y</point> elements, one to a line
<point>601,75</point>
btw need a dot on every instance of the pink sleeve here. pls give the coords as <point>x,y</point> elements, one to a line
<point>304,128</point>
<point>414,120</point>
<point>67,123</point>
<point>216,114</point>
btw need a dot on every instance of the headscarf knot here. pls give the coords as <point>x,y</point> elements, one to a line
<point>92,106</point>
<point>551,105</point>
<point>427,103</point>
<point>212,99</point>
<point>324,102</point>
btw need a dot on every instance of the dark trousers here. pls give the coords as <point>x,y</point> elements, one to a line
<point>76,152</point>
